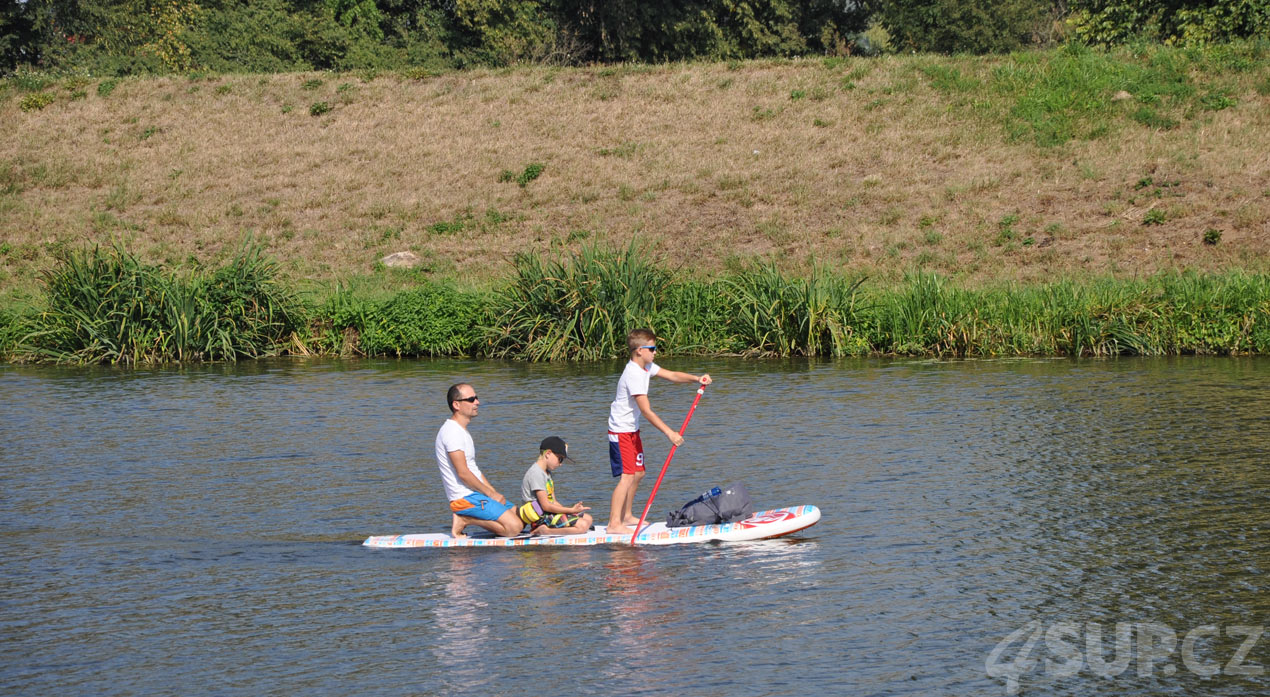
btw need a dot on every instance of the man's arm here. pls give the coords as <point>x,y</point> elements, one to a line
<point>471,481</point>
<point>646,409</point>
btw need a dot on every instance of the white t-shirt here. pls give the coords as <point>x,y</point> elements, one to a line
<point>450,438</point>
<point>624,412</point>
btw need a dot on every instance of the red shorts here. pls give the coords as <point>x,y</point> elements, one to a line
<point>626,453</point>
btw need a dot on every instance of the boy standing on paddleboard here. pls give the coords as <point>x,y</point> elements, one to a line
<point>473,500</point>
<point>626,451</point>
<point>540,510</point>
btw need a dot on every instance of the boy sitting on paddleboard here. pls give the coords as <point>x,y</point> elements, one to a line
<point>540,510</point>
<point>626,451</point>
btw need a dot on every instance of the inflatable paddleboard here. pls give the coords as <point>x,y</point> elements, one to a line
<point>760,526</point>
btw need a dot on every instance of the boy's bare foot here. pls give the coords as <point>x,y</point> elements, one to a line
<point>618,530</point>
<point>632,522</point>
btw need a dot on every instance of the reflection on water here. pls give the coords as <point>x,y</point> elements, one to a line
<point>198,526</point>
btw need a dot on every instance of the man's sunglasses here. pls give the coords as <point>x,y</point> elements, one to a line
<point>652,348</point>
<point>473,398</point>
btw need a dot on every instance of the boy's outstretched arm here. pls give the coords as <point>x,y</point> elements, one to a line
<point>646,409</point>
<point>676,376</point>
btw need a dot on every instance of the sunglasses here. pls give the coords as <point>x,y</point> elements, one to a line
<point>473,398</point>
<point>652,348</point>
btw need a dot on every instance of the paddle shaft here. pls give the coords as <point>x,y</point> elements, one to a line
<point>701,389</point>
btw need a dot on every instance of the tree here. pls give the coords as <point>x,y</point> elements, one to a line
<point>19,40</point>
<point>1170,21</point>
<point>962,26</point>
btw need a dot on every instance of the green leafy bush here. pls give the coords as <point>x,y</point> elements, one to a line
<point>532,172</point>
<point>429,321</point>
<point>35,101</point>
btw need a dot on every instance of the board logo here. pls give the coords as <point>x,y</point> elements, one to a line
<point>767,518</point>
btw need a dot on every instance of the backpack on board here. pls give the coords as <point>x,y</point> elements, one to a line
<point>725,505</point>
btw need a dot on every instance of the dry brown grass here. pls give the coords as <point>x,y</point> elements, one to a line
<point>709,165</point>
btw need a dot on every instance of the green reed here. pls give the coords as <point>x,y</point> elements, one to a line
<point>1167,314</point>
<point>580,308</point>
<point>818,315</point>
<point>11,329</point>
<point>107,306</point>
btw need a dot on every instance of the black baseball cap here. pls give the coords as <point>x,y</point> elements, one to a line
<point>557,446</point>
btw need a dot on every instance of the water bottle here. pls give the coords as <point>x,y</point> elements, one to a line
<point>707,495</point>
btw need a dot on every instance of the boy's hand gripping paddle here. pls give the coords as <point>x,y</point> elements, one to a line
<point>701,389</point>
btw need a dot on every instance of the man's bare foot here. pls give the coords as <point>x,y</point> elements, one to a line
<point>456,528</point>
<point>631,522</point>
<point>618,530</point>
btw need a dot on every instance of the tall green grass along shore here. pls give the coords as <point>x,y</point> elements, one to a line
<point>106,306</point>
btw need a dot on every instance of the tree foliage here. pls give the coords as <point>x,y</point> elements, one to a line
<point>963,26</point>
<point>1187,22</point>
<point>117,37</point>
<point>138,36</point>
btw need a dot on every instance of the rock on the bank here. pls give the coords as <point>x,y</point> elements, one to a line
<point>406,260</point>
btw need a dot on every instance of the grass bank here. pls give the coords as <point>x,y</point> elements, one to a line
<point>1068,162</point>
<point>108,307</point>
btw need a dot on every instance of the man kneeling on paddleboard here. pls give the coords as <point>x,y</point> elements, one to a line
<point>473,500</point>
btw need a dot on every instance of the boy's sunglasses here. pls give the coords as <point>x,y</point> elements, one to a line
<point>652,348</point>
<point>473,398</point>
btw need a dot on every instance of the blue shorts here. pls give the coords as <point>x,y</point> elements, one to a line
<point>479,506</point>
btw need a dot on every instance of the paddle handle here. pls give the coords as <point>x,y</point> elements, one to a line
<point>701,389</point>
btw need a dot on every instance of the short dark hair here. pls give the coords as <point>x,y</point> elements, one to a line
<point>454,394</point>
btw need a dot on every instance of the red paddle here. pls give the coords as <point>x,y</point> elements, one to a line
<point>701,389</point>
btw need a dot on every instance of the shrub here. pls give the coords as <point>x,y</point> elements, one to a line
<point>432,320</point>
<point>532,172</point>
<point>1212,236</point>
<point>35,101</point>
<point>319,108</point>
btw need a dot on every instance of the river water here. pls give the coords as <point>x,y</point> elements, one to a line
<point>989,527</point>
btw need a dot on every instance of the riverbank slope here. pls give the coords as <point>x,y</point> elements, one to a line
<point>1060,163</point>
